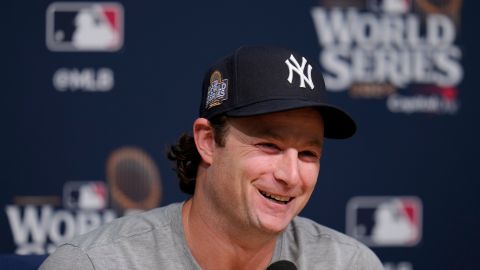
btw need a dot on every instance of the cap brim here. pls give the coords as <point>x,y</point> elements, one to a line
<point>337,123</point>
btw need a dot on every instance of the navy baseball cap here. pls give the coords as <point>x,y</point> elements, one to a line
<point>257,80</point>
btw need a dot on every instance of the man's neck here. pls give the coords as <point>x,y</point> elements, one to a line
<point>222,247</point>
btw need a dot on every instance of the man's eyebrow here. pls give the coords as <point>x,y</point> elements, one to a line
<point>263,132</point>
<point>273,134</point>
<point>316,142</point>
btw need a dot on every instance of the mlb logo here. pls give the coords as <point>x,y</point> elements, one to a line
<point>84,26</point>
<point>385,221</point>
<point>85,195</point>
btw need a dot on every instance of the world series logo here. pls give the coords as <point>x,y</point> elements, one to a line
<point>402,51</point>
<point>39,224</point>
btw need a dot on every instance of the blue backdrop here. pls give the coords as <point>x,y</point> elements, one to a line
<point>70,104</point>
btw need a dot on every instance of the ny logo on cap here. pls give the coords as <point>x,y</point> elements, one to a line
<point>299,70</point>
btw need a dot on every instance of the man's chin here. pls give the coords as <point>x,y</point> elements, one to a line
<point>274,227</point>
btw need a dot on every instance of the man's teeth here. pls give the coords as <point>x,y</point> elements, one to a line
<point>275,197</point>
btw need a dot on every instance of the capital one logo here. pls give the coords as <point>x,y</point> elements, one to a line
<point>299,69</point>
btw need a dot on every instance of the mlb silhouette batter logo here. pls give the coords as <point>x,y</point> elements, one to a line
<point>92,195</point>
<point>385,221</point>
<point>84,26</point>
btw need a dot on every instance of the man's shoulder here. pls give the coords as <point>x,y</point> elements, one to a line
<point>126,243</point>
<point>317,244</point>
<point>128,227</point>
<point>320,234</point>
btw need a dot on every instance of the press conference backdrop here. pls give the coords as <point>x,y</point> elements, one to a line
<point>94,92</point>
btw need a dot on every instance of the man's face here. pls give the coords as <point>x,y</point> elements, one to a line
<point>266,171</point>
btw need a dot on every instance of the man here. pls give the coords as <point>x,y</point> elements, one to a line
<point>251,167</point>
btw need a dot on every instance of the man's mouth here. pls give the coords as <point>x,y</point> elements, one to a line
<point>276,198</point>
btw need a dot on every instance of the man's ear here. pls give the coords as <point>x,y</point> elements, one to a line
<point>204,139</point>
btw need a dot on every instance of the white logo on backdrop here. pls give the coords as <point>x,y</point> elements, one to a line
<point>392,227</point>
<point>84,26</point>
<point>91,33</point>
<point>381,221</point>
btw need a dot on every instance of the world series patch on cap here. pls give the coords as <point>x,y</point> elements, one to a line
<point>257,80</point>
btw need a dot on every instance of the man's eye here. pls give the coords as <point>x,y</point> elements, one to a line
<point>269,147</point>
<point>310,155</point>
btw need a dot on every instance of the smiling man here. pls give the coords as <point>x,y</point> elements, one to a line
<point>250,165</point>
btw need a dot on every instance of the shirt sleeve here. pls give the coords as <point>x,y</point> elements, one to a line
<point>367,260</point>
<point>67,257</point>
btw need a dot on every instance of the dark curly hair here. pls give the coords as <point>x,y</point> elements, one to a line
<point>185,154</point>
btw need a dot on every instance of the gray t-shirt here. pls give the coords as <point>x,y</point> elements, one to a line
<point>155,240</point>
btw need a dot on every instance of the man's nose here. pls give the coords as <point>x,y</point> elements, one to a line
<point>287,170</point>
